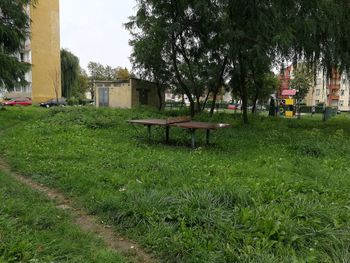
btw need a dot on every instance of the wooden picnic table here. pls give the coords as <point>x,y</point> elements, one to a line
<point>183,123</point>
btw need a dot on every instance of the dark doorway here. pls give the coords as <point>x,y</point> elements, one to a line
<point>143,97</point>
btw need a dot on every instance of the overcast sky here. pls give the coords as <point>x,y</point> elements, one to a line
<point>93,30</point>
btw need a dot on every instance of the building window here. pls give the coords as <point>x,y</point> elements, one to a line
<point>341,103</point>
<point>317,102</point>
<point>22,57</point>
<point>318,81</point>
<point>318,92</point>
<point>342,92</point>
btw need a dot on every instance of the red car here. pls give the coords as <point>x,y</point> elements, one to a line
<point>21,102</point>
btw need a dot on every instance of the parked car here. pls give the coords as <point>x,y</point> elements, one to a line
<point>18,102</point>
<point>54,103</point>
<point>234,106</point>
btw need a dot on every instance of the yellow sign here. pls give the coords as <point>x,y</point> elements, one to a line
<point>289,102</point>
<point>289,114</point>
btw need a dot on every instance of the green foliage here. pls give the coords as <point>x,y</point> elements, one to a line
<point>122,73</point>
<point>14,29</point>
<point>33,230</point>
<point>201,45</point>
<point>171,46</point>
<point>72,101</point>
<point>100,72</point>
<point>82,85</point>
<point>272,191</point>
<point>69,73</point>
<point>302,82</point>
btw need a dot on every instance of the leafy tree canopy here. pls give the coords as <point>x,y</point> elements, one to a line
<point>70,70</point>
<point>302,82</point>
<point>99,72</point>
<point>203,43</point>
<point>14,29</point>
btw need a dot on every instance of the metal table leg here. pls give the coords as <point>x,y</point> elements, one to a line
<point>208,135</point>
<point>193,133</point>
<point>149,132</point>
<point>167,131</point>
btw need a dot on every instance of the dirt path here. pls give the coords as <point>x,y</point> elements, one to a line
<point>87,223</point>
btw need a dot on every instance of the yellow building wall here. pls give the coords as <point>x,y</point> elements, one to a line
<point>45,45</point>
<point>126,94</point>
<point>120,97</point>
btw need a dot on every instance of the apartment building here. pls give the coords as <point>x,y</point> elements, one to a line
<point>333,91</point>
<point>42,51</point>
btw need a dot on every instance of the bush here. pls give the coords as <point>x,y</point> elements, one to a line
<point>72,101</point>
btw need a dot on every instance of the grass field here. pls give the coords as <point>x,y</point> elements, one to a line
<point>33,230</point>
<point>273,191</point>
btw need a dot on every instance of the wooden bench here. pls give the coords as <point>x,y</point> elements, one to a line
<point>183,123</point>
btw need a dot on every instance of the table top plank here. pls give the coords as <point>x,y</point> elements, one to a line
<point>183,125</point>
<point>158,122</point>
<point>201,125</point>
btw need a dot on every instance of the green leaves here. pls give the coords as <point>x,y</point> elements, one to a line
<point>14,29</point>
<point>69,72</point>
<point>302,81</point>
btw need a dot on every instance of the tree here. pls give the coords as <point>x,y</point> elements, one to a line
<point>302,82</point>
<point>82,85</point>
<point>148,61</point>
<point>262,87</point>
<point>69,72</point>
<point>201,41</point>
<point>96,71</point>
<point>122,73</point>
<point>184,39</point>
<point>14,29</point>
<point>99,72</point>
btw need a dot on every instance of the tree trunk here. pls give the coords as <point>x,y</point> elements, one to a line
<point>205,101</point>
<point>243,88</point>
<point>199,108</point>
<point>185,89</point>
<point>219,84</point>
<point>244,101</point>
<point>160,97</point>
<point>212,109</point>
<point>254,105</point>
<point>192,108</point>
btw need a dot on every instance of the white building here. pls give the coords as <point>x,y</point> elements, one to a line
<point>334,92</point>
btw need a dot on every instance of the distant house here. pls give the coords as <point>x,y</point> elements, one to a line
<point>126,94</point>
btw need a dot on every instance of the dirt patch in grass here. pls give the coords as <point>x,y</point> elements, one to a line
<point>87,223</point>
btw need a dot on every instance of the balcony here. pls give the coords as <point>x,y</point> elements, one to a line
<point>334,86</point>
<point>333,97</point>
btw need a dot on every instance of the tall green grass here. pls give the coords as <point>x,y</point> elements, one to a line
<point>32,230</point>
<point>272,191</point>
